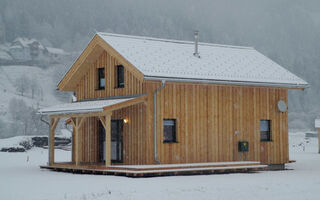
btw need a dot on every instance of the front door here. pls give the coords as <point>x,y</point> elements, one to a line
<point>116,141</point>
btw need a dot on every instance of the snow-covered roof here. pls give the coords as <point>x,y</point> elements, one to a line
<point>25,42</point>
<point>4,55</point>
<point>82,107</point>
<point>317,123</point>
<point>174,59</point>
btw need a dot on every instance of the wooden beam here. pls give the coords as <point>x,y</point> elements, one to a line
<point>81,120</point>
<point>103,121</point>
<point>108,138</point>
<point>73,115</point>
<point>142,99</point>
<point>73,122</point>
<point>77,149</point>
<point>77,123</point>
<point>53,125</point>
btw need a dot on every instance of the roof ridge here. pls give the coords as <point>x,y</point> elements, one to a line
<point>172,40</point>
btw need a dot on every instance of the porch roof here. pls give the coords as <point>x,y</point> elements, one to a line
<point>91,106</point>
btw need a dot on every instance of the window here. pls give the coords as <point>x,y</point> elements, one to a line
<point>169,130</point>
<point>120,76</point>
<point>101,79</point>
<point>265,130</point>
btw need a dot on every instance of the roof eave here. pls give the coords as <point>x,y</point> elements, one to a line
<point>83,111</point>
<point>226,82</point>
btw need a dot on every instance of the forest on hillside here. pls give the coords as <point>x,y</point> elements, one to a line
<point>287,31</point>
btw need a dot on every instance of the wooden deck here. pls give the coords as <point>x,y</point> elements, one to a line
<point>159,170</point>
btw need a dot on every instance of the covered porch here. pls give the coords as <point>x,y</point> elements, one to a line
<point>160,169</point>
<point>92,123</point>
<point>86,117</point>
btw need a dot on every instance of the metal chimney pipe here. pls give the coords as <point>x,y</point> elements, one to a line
<point>196,40</point>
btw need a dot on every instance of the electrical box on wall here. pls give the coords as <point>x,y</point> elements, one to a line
<point>243,146</point>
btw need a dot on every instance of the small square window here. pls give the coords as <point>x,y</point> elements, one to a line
<point>101,79</point>
<point>169,130</point>
<point>265,130</point>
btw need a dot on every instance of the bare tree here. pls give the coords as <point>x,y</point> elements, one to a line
<point>34,87</point>
<point>3,132</point>
<point>22,84</point>
<point>19,112</point>
<point>26,121</point>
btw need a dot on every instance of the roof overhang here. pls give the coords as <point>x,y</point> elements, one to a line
<point>91,107</point>
<point>227,82</point>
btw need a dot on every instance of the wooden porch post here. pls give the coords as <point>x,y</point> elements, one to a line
<point>106,122</point>
<point>108,138</point>
<point>77,122</point>
<point>53,125</point>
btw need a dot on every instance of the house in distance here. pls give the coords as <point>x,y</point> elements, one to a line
<point>149,106</point>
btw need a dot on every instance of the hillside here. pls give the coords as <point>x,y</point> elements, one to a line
<point>39,81</point>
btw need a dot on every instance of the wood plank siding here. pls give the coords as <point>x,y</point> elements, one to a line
<point>211,120</point>
<point>88,86</point>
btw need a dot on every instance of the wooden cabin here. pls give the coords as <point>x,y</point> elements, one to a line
<point>149,103</point>
<point>317,126</point>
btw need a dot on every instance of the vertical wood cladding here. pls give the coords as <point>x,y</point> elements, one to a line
<point>212,119</point>
<point>89,141</point>
<point>88,85</point>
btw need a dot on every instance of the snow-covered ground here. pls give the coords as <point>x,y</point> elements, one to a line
<point>21,178</point>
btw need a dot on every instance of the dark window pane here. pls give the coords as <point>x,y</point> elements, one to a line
<point>120,76</point>
<point>101,79</point>
<point>265,130</point>
<point>169,130</point>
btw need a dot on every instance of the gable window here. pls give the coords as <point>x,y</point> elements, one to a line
<point>120,76</point>
<point>101,79</point>
<point>169,130</point>
<point>265,130</point>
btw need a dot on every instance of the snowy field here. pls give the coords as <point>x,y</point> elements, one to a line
<point>21,178</point>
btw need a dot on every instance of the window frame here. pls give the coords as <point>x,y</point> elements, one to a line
<point>120,72</point>
<point>268,132</point>
<point>99,78</point>
<point>174,136</point>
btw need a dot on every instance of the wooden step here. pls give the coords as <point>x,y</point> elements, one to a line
<point>188,169</point>
<point>183,166</point>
